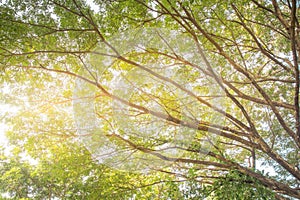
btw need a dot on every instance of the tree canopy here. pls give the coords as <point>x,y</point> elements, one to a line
<point>150,99</point>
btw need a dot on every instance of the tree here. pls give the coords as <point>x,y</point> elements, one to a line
<point>203,90</point>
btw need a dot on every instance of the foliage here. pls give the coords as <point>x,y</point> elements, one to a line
<point>236,186</point>
<point>201,95</point>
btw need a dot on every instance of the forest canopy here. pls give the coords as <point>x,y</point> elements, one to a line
<point>150,99</point>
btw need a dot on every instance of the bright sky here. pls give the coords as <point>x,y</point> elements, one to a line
<point>3,127</point>
<point>3,139</point>
<point>4,108</point>
<point>93,5</point>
